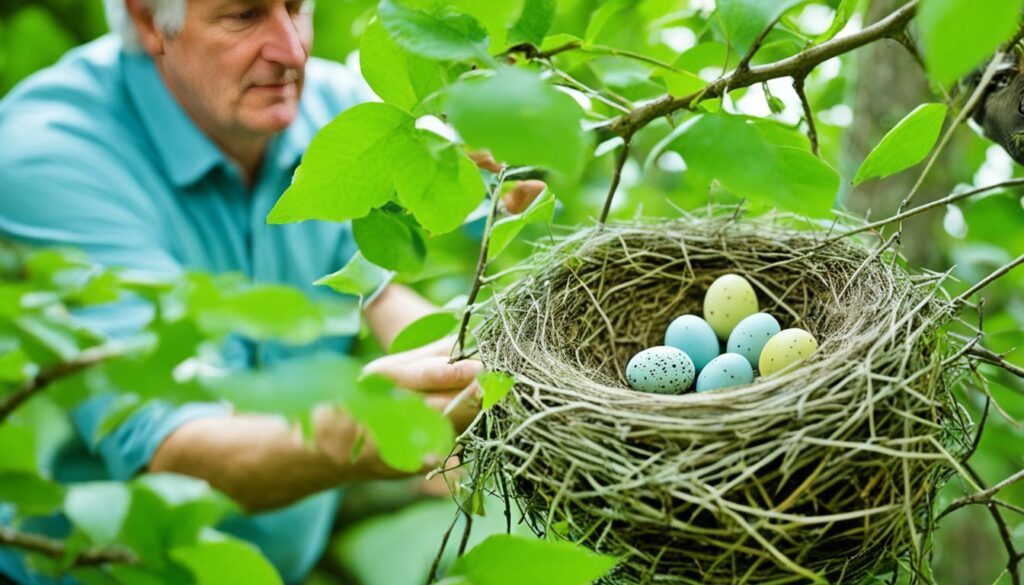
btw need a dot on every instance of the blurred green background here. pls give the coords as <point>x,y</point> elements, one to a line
<point>856,105</point>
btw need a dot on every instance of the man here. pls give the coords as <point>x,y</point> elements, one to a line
<point>163,150</point>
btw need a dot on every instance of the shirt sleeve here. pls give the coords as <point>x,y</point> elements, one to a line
<point>63,203</point>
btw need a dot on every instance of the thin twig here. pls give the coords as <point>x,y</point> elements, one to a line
<point>922,208</point>
<point>603,50</point>
<point>961,117</point>
<point>465,532</point>
<point>619,163</point>
<point>86,359</point>
<point>990,357</point>
<point>982,497</point>
<point>812,131</point>
<point>56,549</point>
<point>962,298</point>
<point>744,64</point>
<point>481,264</point>
<point>432,575</point>
<point>1013,557</point>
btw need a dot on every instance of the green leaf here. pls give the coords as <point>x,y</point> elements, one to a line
<point>120,410</point>
<point>349,167</point>
<point>521,119</point>
<point>98,509</point>
<point>496,386</point>
<point>265,312</point>
<point>32,494</point>
<point>844,11</point>
<point>357,162</point>
<point>512,560</point>
<point>682,83</point>
<point>743,20</point>
<point>359,277</point>
<point>424,330</point>
<point>399,77</point>
<point>405,430</point>
<point>442,37</point>
<point>907,144</point>
<point>755,159</point>
<point>226,561</point>
<point>601,17</point>
<point>440,185</point>
<point>506,229</point>
<point>17,448</point>
<point>51,339</point>
<point>290,388</point>
<point>957,35</point>
<point>389,241</point>
<point>534,22</point>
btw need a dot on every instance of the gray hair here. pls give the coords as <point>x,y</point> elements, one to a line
<point>169,16</point>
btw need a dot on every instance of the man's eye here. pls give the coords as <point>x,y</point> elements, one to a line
<point>246,16</point>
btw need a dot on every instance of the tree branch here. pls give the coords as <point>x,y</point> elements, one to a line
<point>88,358</point>
<point>795,66</point>
<point>56,549</point>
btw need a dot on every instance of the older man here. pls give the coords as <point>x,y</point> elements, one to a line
<point>162,149</point>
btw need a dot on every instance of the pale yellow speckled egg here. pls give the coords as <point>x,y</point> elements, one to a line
<point>784,348</point>
<point>729,300</point>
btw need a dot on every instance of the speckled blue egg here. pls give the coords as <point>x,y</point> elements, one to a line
<point>695,337</point>
<point>750,335</point>
<point>660,369</point>
<point>726,370</point>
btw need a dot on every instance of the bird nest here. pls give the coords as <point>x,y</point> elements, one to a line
<point>826,472</point>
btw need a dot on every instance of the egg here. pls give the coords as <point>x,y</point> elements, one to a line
<point>729,300</point>
<point>660,369</point>
<point>695,337</point>
<point>750,335</point>
<point>728,369</point>
<point>785,348</point>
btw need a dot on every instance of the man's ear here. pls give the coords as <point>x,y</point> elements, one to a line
<point>150,36</point>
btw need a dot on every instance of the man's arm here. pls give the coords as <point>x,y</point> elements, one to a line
<point>393,310</point>
<point>262,463</point>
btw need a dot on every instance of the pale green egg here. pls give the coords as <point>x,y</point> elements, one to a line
<point>784,348</point>
<point>729,300</point>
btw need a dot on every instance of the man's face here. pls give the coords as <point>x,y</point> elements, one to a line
<point>237,66</point>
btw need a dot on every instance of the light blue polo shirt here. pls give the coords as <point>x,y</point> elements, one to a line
<point>96,154</point>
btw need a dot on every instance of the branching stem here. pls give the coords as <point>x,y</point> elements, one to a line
<point>56,549</point>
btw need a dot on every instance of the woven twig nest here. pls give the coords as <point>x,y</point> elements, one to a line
<point>825,472</point>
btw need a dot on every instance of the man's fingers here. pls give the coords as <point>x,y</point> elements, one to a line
<point>485,160</point>
<point>522,195</point>
<point>463,413</point>
<point>428,373</point>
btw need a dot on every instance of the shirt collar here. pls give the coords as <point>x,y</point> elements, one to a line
<point>187,154</point>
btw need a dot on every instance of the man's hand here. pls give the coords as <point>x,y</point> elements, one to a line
<point>427,369</point>
<point>522,193</point>
<point>450,388</point>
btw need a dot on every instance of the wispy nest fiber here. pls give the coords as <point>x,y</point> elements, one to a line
<point>825,473</point>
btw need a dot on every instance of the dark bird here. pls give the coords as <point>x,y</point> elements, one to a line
<point>1000,113</point>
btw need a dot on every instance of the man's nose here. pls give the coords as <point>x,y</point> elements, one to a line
<point>286,38</point>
